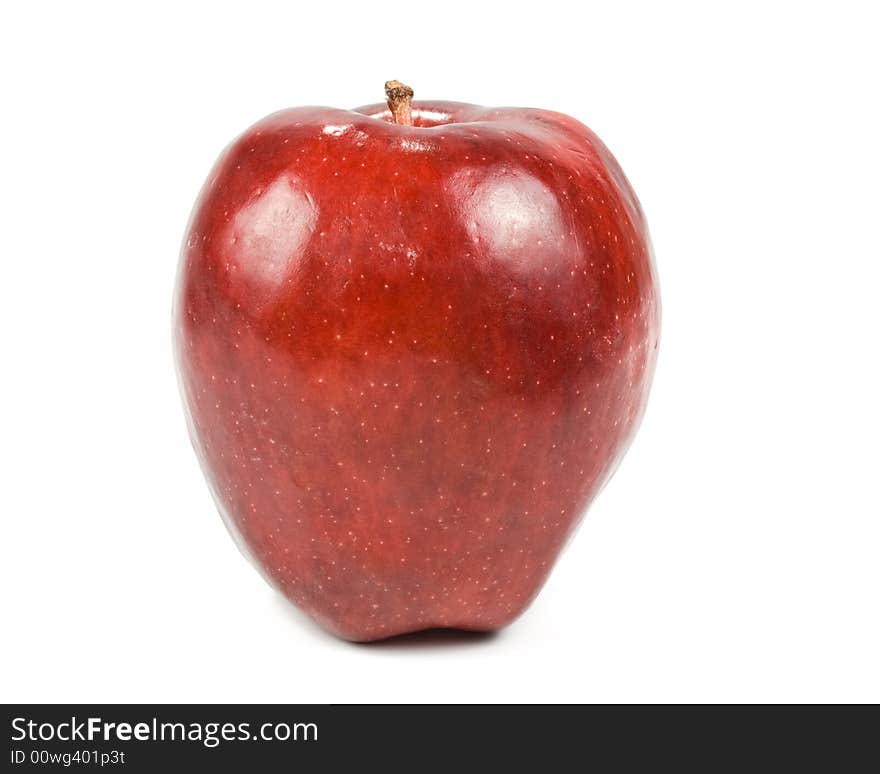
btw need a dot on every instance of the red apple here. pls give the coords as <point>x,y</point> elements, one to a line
<point>413,345</point>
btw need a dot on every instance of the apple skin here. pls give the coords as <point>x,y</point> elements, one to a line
<point>411,356</point>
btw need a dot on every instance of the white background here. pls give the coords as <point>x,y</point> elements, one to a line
<point>734,557</point>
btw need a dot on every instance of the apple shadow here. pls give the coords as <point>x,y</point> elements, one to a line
<point>426,639</point>
<point>430,638</point>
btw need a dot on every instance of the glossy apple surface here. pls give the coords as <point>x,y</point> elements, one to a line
<point>412,355</point>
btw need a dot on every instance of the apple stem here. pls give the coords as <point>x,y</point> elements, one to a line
<point>399,97</point>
